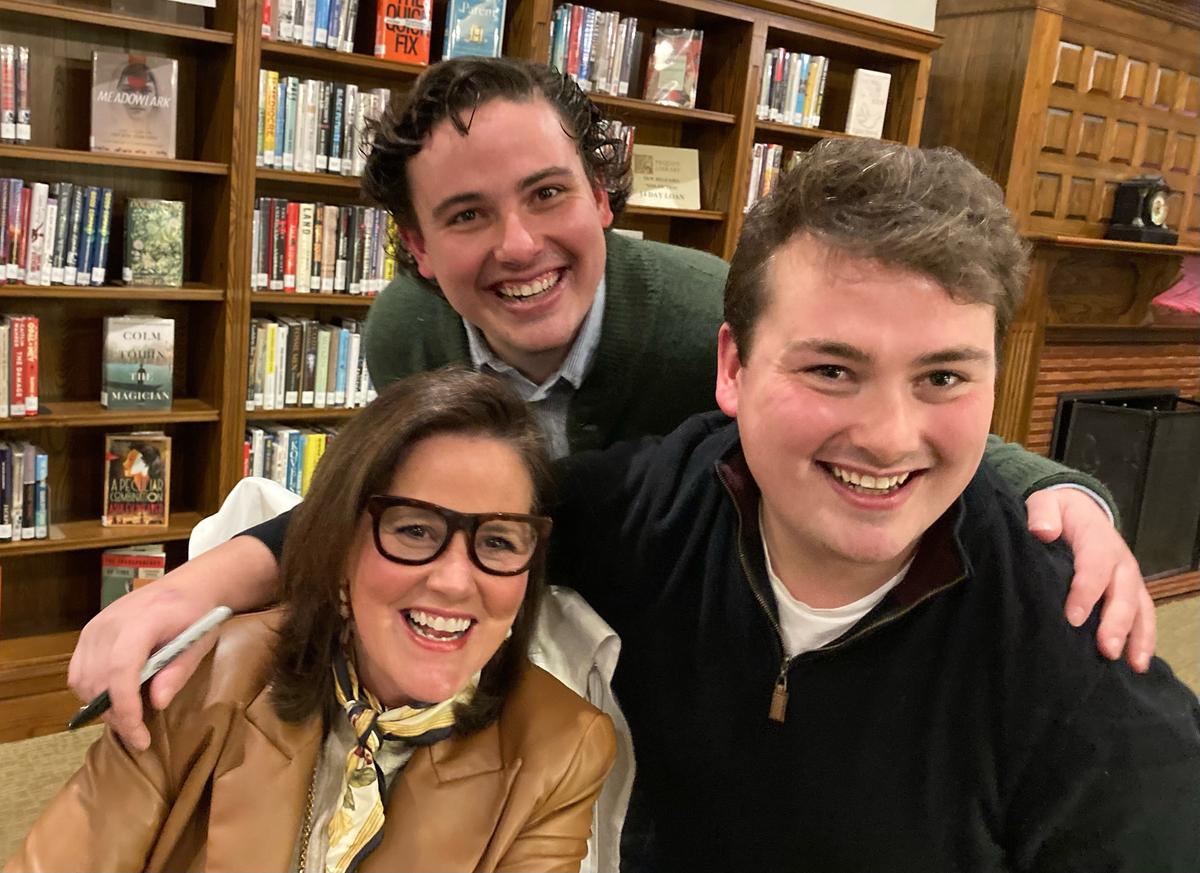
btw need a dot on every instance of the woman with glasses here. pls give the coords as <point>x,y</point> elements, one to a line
<point>384,715</point>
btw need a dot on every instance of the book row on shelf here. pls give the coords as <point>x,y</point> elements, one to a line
<point>137,480</point>
<point>314,126</point>
<point>793,88</point>
<point>318,247</point>
<point>624,134</point>
<point>599,50</point>
<point>19,377</point>
<point>297,363</point>
<point>59,235</point>
<point>287,455</point>
<point>402,27</point>
<point>24,492</point>
<point>768,163</point>
<point>316,23</point>
<point>15,113</point>
<point>792,92</point>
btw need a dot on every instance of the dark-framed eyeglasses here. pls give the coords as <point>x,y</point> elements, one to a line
<point>414,532</point>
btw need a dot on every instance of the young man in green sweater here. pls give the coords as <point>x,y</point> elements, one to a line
<point>503,183</point>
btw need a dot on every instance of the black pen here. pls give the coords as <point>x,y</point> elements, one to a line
<point>158,660</point>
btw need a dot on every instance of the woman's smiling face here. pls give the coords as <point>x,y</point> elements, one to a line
<point>409,636</point>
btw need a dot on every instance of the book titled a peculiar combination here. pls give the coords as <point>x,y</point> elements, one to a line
<point>137,479</point>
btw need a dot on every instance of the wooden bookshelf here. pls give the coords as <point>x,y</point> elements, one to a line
<point>317,180</point>
<point>300,414</point>
<point>334,63</point>
<point>73,536</point>
<point>89,16</point>
<point>279,298</point>
<point>50,587</point>
<point>104,159</point>
<point>89,413</point>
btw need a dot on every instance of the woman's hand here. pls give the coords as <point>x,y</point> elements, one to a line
<point>114,645</point>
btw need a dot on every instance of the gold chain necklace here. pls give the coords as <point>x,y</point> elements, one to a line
<point>306,830</point>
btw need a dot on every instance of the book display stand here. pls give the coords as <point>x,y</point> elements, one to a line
<point>49,588</point>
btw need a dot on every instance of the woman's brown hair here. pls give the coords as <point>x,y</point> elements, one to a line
<point>324,529</point>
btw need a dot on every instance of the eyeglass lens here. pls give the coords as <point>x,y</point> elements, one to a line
<point>414,533</point>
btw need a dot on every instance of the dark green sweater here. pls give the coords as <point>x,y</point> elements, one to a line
<point>656,361</point>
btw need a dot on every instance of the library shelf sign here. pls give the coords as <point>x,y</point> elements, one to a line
<point>666,177</point>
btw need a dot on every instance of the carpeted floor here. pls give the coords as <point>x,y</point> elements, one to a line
<point>31,772</point>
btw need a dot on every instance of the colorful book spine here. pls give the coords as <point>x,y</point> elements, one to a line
<point>103,220</point>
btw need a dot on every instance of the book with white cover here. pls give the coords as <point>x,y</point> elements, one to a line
<point>868,103</point>
<point>134,104</point>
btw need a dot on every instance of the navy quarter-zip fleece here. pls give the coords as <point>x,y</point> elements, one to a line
<point>962,725</point>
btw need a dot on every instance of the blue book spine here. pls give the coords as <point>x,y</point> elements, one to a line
<point>78,208</point>
<point>333,39</point>
<point>280,119</point>
<point>342,356</point>
<point>322,23</point>
<point>587,33</point>
<point>103,220</point>
<point>798,109</point>
<point>295,460</point>
<point>87,239</point>
<point>41,513</point>
<point>335,127</point>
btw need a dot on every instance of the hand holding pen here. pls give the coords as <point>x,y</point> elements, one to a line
<point>160,659</point>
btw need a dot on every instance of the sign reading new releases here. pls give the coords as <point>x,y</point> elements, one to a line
<point>666,177</point>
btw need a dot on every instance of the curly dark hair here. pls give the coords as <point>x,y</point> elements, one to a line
<point>452,90</point>
<point>323,530</point>
<point>925,210</point>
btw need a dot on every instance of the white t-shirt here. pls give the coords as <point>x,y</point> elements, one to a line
<point>805,627</point>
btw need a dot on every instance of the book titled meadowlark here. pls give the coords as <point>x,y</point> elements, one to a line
<point>139,358</point>
<point>137,479</point>
<point>153,242</point>
<point>134,104</point>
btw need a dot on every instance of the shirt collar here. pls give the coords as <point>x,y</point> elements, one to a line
<point>578,361</point>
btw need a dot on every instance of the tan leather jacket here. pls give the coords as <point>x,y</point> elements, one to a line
<point>225,781</point>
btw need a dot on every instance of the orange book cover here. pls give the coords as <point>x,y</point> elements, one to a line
<point>402,30</point>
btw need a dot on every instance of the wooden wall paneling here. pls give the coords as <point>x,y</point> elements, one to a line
<point>1022,347</point>
<point>1116,109</point>
<point>976,82</point>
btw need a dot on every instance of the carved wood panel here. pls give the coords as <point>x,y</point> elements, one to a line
<point>1118,107</point>
<point>1090,366</point>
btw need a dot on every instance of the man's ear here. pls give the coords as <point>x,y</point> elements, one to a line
<point>603,206</point>
<point>729,365</point>
<point>415,243</point>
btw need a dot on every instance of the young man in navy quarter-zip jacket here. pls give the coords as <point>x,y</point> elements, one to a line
<point>842,650</point>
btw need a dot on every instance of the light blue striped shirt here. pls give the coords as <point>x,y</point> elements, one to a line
<point>552,398</point>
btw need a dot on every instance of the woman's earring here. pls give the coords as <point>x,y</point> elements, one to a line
<point>344,611</point>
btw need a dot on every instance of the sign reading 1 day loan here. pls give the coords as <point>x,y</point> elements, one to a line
<point>665,177</point>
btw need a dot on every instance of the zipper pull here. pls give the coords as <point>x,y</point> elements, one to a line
<point>779,698</point>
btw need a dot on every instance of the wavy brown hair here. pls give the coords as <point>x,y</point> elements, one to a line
<point>925,210</point>
<point>452,90</point>
<point>324,529</point>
